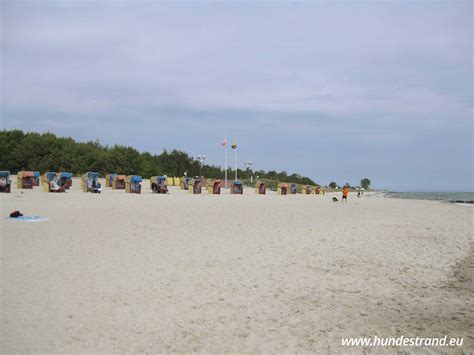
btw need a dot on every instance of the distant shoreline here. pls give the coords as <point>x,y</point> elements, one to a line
<point>463,198</point>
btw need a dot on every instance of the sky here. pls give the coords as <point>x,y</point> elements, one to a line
<point>336,91</point>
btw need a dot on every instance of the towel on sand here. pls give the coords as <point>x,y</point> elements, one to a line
<point>28,219</point>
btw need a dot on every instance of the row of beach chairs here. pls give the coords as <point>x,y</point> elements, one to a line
<point>62,181</point>
<point>50,181</point>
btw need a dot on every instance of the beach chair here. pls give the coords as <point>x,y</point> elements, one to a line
<point>237,187</point>
<point>50,182</point>
<point>306,189</point>
<point>90,182</point>
<point>25,180</point>
<point>194,186</point>
<point>65,179</point>
<point>162,186</point>
<point>133,184</point>
<point>213,187</point>
<point>282,189</point>
<point>260,188</point>
<point>318,190</point>
<point>46,178</point>
<point>118,182</point>
<point>293,188</point>
<point>176,181</point>
<point>184,183</point>
<point>36,178</point>
<point>158,184</point>
<point>5,182</point>
<point>109,179</point>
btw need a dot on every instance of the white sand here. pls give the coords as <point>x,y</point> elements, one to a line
<point>120,272</point>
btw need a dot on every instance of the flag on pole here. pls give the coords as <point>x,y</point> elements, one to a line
<point>224,143</point>
<point>234,145</point>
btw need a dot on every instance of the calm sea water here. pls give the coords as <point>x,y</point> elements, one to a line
<point>461,197</point>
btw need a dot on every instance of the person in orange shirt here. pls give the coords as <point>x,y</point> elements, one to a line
<point>345,193</point>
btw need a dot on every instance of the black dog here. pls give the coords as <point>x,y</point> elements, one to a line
<point>334,199</point>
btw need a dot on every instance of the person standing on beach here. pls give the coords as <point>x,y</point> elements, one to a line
<point>345,193</point>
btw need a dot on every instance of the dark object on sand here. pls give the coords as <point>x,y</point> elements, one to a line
<point>16,214</point>
<point>334,199</point>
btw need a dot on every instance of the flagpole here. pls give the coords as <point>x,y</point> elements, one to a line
<point>235,163</point>
<point>225,166</point>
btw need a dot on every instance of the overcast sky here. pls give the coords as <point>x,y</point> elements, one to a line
<point>335,91</point>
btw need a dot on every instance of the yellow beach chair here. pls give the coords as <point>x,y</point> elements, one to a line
<point>25,180</point>
<point>213,187</point>
<point>90,182</point>
<point>306,189</point>
<point>118,182</point>
<point>184,183</point>
<point>194,186</point>
<point>133,184</point>
<point>282,189</point>
<point>109,179</point>
<point>176,181</point>
<point>46,179</point>
<point>158,184</point>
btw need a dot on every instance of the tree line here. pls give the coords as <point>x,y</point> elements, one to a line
<point>46,152</point>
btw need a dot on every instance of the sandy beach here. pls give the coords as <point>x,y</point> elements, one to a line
<point>121,272</point>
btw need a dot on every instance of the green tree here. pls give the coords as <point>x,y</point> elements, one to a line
<point>124,160</point>
<point>365,183</point>
<point>9,140</point>
<point>332,185</point>
<point>47,152</point>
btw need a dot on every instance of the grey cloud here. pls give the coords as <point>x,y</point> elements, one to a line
<point>303,74</point>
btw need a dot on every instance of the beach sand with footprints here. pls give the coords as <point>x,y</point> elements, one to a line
<point>121,272</point>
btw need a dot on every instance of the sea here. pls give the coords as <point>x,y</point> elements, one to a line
<point>455,197</point>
